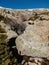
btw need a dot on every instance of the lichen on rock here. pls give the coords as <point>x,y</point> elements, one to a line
<point>34,41</point>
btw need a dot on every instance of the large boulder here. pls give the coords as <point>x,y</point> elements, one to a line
<point>35,40</point>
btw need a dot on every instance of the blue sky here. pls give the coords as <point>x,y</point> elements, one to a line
<point>24,4</point>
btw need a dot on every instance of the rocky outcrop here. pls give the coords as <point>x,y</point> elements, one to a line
<point>35,40</point>
<point>30,28</point>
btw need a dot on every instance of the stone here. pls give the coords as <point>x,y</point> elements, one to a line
<point>6,32</point>
<point>32,63</point>
<point>34,41</point>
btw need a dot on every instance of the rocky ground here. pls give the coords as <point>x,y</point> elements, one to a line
<point>18,30</point>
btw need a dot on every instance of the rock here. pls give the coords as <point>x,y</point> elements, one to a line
<point>32,63</point>
<point>3,35</point>
<point>35,40</point>
<point>6,33</point>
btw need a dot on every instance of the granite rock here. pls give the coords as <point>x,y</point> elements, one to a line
<point>35,39</point>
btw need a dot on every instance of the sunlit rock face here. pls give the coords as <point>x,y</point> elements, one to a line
<point>35,39</point>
